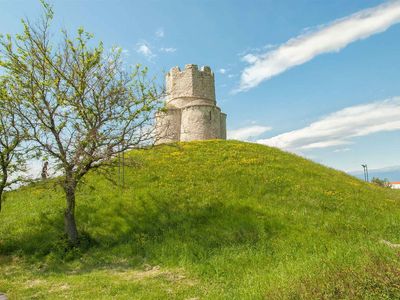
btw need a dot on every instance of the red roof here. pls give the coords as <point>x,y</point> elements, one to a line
<point>396,182</point>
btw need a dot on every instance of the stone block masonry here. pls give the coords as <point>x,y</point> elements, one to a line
<point>191,112</point>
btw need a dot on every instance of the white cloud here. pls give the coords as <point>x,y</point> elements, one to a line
<point>160,32</point>
<point>341,127</point>
<point>246,133</point>
<point>324,39</point>
<point>341,150</point>
<point>123,50</point>
<point>144,49</point>
<point>250,58</point>
<point>168,49</point>
<point>222,71</point>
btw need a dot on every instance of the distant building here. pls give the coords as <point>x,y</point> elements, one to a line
<point>191,109</point>
<point>395,185</point>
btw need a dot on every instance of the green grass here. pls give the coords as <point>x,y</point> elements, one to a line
<point>206,220</point>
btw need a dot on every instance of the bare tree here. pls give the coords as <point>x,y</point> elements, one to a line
<point>12,162</point>
<point>78,103</point>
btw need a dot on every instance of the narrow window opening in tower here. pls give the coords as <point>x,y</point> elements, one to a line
<point>210,115</point>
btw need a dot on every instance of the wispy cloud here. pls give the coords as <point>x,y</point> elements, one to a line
<point>168,49</point>
<point>341,150</point>
<point>222,71</point>
<point>246,133</point>
<point>160,32</point>
<point>326,38</point>
<point>341,127</point>
<point>123,50</point>
<point>144,49</point>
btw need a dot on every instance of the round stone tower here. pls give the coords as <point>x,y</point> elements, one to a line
<point>191,111</point>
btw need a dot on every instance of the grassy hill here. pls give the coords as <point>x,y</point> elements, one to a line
<point>206,220</point>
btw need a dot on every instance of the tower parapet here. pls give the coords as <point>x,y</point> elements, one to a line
<point>191,111</point>
<point>189,85</point>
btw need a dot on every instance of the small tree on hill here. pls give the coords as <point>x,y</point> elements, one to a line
<point>78,103</point>
<point>381,182</point>
<point>12,162</point>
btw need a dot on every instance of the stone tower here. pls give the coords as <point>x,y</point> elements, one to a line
<point>191,111</point>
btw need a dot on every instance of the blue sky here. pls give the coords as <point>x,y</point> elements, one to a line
<point>318,78</point>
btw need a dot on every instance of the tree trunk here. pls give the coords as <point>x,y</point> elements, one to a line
<point>1,196</point>
<point>3,183</point>
<point>2,187</point>
<point>69,214</point>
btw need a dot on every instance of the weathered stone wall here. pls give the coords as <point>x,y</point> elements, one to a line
<point>223,127</point>
<point>191,112</point>
<point>200,122</point>
<point>168,126</point>
<point>190,85</point>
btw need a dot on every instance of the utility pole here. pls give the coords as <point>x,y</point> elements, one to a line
<point>366,175</point>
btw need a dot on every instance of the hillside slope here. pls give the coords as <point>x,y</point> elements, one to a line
<point>205,220</point>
